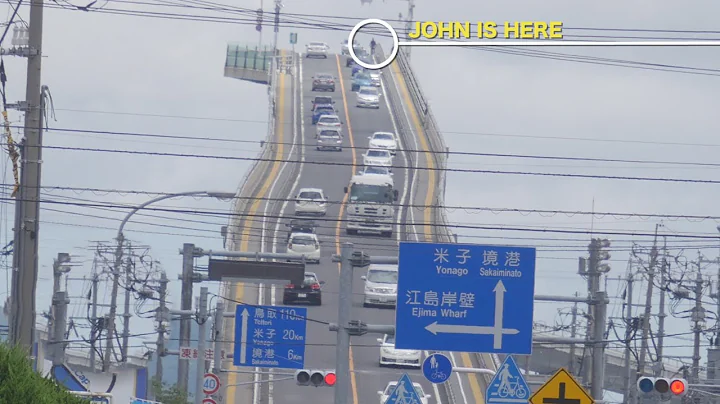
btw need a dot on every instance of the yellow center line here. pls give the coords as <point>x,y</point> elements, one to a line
<point>427,227</point>
<point>353,381</point>
<point>239,289</point>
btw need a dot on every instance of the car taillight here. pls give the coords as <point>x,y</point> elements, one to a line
<point>290,286</point>
<point>315,286</point>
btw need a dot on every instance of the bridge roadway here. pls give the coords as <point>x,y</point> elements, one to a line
<point>264,199</point>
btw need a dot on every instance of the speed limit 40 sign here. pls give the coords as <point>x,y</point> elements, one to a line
<point>211,384</point>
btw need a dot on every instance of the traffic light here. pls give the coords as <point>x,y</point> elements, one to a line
<point>598,254</point>
<point>315,378</point>
<point>667,388</point>
<point>258,26</point>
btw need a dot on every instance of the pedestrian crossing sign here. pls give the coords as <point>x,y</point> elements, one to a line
<point>404,392</point>
<point>508,385</point>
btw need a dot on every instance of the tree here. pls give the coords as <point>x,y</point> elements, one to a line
<point>19,383</point>
<point>168,394</point>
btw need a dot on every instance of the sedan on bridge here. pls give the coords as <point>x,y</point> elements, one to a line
<point>383,140</point>
<point>329,139</point>
<point>328,122</point>
<point>359,52</point>
<point>321,100</point>
<point>390,356</point>
<point>368,97</point>
<point>344,48</point>
<point>311,201</point>
<point>323,81</point>
<point>385,394</point>
<point>322,110</point>
<point>310,290</point>
<point>375,170</point>
<point>317,50</point>
<point>361,80</point>
<point>378,157</point>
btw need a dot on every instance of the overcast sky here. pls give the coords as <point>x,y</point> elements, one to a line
<point>485,102</point>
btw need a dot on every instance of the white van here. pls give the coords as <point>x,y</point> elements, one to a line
<point>381,285</point>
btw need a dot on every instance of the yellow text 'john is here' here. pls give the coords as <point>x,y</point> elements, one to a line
<point>487,30</point>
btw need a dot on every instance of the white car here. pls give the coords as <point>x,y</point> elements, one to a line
<point>368,97</point>
<point>375,170</point>
<point>389,356</point>
<point>380,285</point>
<point>306,244</point>
<point>378,157</point>
<point>344,49</point>
<point>384,140</point>
<point>311,201</point>
<point>328,122</point>
<point>384,395</point>
<point>375,77</point>
<point>317,50</point>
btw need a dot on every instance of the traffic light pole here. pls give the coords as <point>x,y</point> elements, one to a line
<point>342,350</point>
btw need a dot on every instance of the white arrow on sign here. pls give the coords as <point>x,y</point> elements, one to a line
<point>497,330</point>
<point>243,336</point>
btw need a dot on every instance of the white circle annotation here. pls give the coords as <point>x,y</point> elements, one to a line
<point>393,54</point>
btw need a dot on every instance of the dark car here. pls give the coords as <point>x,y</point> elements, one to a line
<point>300,226</point>
<point>323,81</point>
<point>321,100</point>
<point>310,291</point>
<point>320,110</point>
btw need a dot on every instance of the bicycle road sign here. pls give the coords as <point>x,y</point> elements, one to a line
<point>437,368</point>
<point>562,388</point>
<point>508,385</point>
<point>404,392</point>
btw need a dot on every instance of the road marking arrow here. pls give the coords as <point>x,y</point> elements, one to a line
<point>497,330</point>
<point>243,337</point>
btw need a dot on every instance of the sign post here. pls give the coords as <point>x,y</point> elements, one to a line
<point>465,297</point>
<point>270,336</point>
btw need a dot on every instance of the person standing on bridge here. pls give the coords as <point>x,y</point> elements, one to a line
<point>372,47</point>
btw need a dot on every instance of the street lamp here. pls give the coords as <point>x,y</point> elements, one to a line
<point>118,263</point>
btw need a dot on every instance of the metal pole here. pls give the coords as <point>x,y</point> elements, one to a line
<point>202,336</point>
<point>593,286</point>
<point>60,301</point>
<point>697,329</point>
<point>94,330</point>
<point>161,327</point>
<point>661,314</point>
<point>185,320</point>
<point>573,334</point>
<point>218,323</point>
<point>342,352</point>
<point>25,256</point>
<point>598,362</point>
<point>648,305</point>
<point>628,386</point>
<point>126,313</point>
<point>110,333</point>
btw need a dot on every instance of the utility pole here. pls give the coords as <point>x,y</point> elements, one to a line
<point>161,316</point>
<point>628,385</point>
<point>648,305</point>
<point>110,326</point>
<point>94,329</point>
<point>202,335</point>
<point>698,317</point>
<point>597,309</point>
<point>27,207</point>
<point>187,279</point>
<point>408,25</point>
<point>58,270</point>
<point>342,348</point>
<point>664,269</point>
<point>278,6</point>
<point>60,302</point>
<point>126,312</point>
<point>573,334</point>
<point>218,337</point>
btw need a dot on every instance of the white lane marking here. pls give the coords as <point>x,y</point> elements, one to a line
<point>411,210</point>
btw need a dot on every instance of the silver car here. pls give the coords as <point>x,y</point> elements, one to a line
<point>375,77</point>
<point>329,140</point>
<point>381,285</point>
<point>368,97</point>
<point>311,201</point>
<point>316,50</point>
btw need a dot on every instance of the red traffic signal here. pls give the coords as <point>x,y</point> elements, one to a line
<point>316,378</point>
<point>678,387</point>
<point>330,378</point>
<point>652,385</point>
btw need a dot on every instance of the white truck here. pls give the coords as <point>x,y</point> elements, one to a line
<point>370,207</point>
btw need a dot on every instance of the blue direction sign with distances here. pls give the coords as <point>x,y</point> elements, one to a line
<point>465,297</point>
<point>508,385</point>
<point>437,368</point>
<point>270,336</point>
<point>404,392</point>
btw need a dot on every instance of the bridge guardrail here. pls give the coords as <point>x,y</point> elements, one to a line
<point>440,154</point>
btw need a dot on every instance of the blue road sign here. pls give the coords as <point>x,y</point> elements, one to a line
<point>437,368</point>
<point>508,385</point>
<point>142,401</point>
<point>404,392</point>
<point>466,298</point>
<point>270,336</point>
